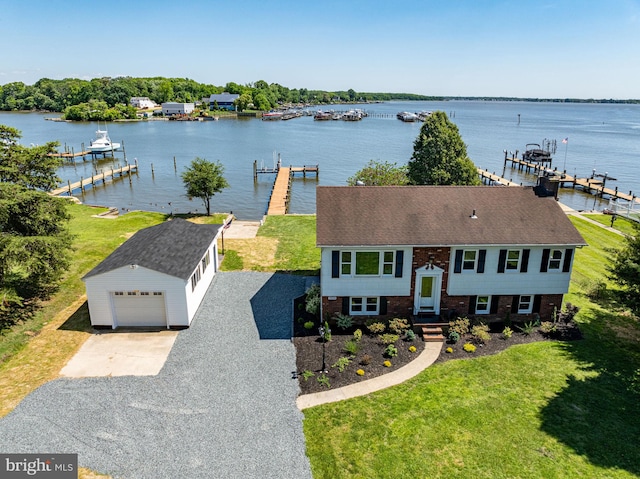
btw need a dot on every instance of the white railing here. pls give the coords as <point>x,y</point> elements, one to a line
<point>628,209</point>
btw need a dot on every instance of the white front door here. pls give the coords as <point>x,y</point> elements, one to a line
<point>426,301</point>
<point>427,290</point>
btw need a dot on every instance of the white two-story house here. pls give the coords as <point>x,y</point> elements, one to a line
<point>440,251</point>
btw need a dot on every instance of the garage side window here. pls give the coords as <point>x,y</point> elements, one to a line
<point>205,261</point>
<point>195,278</point>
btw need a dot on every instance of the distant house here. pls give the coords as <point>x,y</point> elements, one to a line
<point>442,250</point>
<point>175,108</point>
<point>157,278</point>
<point>223,100</point>
<point>142,103</point>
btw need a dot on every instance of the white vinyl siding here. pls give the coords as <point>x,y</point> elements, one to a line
<point>515,283</point>
<point>350,284</point>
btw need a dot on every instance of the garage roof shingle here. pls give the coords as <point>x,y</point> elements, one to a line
<point>174,247</point>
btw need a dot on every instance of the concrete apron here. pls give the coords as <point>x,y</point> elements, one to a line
<point>121,354</point>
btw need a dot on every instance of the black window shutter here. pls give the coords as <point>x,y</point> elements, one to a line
<point>544,264</point>
<point>472,304</point>
<point>457,268</point>
<point>345,305</point>
<point>335,264</point>
<point>515,302</point>
<point>537,299</point>
<point>502,260</point>
<point>524,264</point>
<point>566,266</point>
<point>495,299</point>
<point>482,256</point>
<point>399,263</point>
<point>383,305</point>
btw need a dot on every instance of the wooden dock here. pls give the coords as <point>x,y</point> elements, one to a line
<point>492,178</point>
<point>280,193</point>
<point>70,155</point>
<point>591,185</point>
<point>102,177</point>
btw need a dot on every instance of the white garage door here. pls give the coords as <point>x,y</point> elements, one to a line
<point>139,308</point>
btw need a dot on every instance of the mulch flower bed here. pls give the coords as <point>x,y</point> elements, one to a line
<point>564,332</point>
<point>309,350</point>
<point>308,346</point>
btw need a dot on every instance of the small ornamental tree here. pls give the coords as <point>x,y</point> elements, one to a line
<point>440,156</point>
<point>203,179</point>
<point>625,270</point>
<point>378,173</point>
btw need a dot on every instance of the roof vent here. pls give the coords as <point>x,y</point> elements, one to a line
<point>473,215</point>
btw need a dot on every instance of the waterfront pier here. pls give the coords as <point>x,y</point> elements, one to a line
<point>112,173</point>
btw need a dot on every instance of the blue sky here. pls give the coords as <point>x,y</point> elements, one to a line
<point>523,48</point>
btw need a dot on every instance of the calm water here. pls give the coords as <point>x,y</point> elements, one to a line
<point>601,137</point>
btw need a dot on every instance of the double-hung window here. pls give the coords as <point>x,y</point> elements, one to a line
<point>525,304</point>
<point>513,260</point>
<point>345,263</point>
<point>555,259</point>
<point>469,259</point>
<point>483,304</point>
<point>359,305</point>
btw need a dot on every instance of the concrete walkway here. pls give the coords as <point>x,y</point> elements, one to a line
<point>426,358</point>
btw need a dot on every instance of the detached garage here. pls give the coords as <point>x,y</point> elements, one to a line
<point>157,278</point>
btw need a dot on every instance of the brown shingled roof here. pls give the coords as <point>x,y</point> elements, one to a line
<point>439,216</point>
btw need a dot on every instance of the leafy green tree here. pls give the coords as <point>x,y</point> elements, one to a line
<point>378,173</point>
<point>440,156</point>
<point>34,239</point>
<point>625,270</point>
<point>203,179</point>
<point>243,101</point>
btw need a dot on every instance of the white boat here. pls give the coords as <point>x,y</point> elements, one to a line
<point>102,143</point>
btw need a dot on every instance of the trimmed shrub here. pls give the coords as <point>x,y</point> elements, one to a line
<point>357,335</point>
<point>376,328</point>
<point>454,337</point>
<point>507,332</point>
<point>344,321</point>
<point>391,351</point>
<point>460,326</point>
<point>388,338</point>
<point>411,336</point>
<point>480,333</point>
<point>341,364</point>
<point>547,327</point>
<point>351,347</point>
<point>398,325</point>
<point>309,325</point>
<point>323,380</point>
<point>312,300</point>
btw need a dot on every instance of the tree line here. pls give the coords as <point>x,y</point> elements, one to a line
<point>109,98</point>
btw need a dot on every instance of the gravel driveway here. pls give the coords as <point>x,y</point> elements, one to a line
<point>223,406</point>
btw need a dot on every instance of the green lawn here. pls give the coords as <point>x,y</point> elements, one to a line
<point>551,409</point>
<point>621,223</point>
<point>296,235</point>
